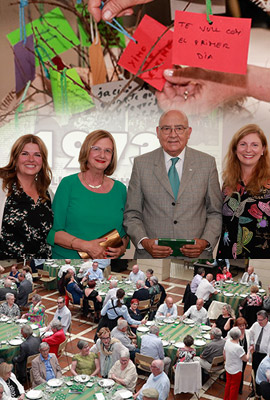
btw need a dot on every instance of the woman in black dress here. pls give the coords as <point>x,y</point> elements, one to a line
<point>91,294</point>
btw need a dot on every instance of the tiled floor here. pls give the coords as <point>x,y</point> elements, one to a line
<point>85,329</point>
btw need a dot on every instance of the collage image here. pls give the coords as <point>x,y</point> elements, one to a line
<point>135,199</point>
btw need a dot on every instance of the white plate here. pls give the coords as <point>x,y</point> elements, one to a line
<point>3,342</point>
<point>227,294</point>
<point>130,293</point>
<point>128,282</point>
<point>218,290</point>
<point>207,336</point>
<point>34,394</point>
<point>161,323</point>
<point>165,343</point>
<point>54,382</point>
<point>206,327</point>
<point>34,326</point>
<point>123,393</point>
<point>169,320</point>
<point>179,344</point>
<point>81,378</point>
<point>229,281</point>
<point>4,318</point>
<point>150,323</point>
<point>188,321</point>
<point>199,342</point>
<point>102,293</point>
<point>69,383</point>
<point>106,382</point>
<point>243,295</point>
<point>9,321</point>
<point>142,329</point>
<point>15,342</point>
<point>21,321</point>
<point>89,384</point>
<point>261,290</point>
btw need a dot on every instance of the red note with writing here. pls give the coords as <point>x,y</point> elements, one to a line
<point>147,33</point>
<point>221,46</point>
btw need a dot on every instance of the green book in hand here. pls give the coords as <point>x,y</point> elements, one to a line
<point>175,245</point>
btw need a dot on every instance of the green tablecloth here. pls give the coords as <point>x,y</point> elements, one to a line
<point>235,289</point>
<point>176,332</point>
<point>62,392</point>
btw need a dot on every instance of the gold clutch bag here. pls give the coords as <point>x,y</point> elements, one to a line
<point>113,240</point>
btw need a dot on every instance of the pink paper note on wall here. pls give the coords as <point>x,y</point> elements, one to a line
<point>147,33</point>
<point>221,46</point>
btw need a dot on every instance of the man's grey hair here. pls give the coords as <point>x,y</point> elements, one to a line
<point>56,324</point>
<point>27,330</point>
<point>262,313</point>
<point>200,271</point>
<point>160,364</point>
<point>43,346</point>
<point>140,283</point>
<point>235,333</point>
<point>113,283</point>
<point>8,295</point>
<point>154,279</point>
<point>7,283</point>
<point>154,329</point>
<point>124,353</point>
<point>121,323</point>
<point>216,332</point>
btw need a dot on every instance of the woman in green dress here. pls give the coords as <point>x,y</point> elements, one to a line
<point>85,362</point>
<point>88,205</point>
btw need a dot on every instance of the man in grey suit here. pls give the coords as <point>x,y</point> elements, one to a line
<point>159,208</point>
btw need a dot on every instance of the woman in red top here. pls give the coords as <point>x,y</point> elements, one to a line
<point>56,338</point>
<point>225,275</point>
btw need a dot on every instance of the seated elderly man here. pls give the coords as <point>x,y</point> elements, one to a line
<point>212,349</point>
<point>45,366</point>
<point>62,314</point>
<point>7,289</point>
<point>136,274</point>
<point>250,277</point>
<point>142,293</point>
<point>157,380</point>
<point>168,309</point>
<point>197,312</point>
<point>263,377</point>
<point>206,289</point>
<point>124,371</point>
<point>151,346</point>
<point>65,268</point>
<point>111,294</point>
<point>120,333</point>
<point>9,308</point>
<point>56,338</point>
<point>28,348</point>
<point>93,273</point>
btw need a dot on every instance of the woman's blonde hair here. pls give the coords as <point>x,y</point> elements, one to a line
<point>232,170</point>
<point>5,368</point>
<point>89,141</point>
<point>9,174</point>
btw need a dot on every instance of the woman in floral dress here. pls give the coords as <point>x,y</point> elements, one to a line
<point>36,311</point>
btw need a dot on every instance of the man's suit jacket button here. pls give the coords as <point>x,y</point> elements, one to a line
<point>175,222</point>
<point>173,203</point>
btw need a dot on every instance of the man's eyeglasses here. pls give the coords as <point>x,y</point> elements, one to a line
<point>105,338</point>
<point>98,150</point>
<point>178,129</point>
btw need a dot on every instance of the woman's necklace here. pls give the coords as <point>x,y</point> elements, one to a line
<point>92,186</point>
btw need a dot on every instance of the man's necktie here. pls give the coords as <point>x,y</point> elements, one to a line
<point>259,340</point>
<point>174,177</point>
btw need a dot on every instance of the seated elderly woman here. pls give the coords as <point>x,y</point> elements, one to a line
<point>135,313</point>
<point>154,287</point>
<point>109,350</point>
<point>10,308</point>
<point>36,311</point>
<point>186,353</point>
<point>85,362</point>
<point>56,338</point>
<point>12,389</point>
<point>124,371</point>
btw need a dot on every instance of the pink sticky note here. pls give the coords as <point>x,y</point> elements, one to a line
<point>148,31</point>
<point>221,46</point>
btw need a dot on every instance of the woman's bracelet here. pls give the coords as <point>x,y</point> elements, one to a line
<point>71,243</point>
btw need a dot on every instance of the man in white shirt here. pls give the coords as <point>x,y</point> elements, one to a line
<point>94,273</point>
<point>62,314</point>
<point>197,313</point>
<point>157,380</point>
<point>206,289</point>
<point>111,294</point>
<point>151,346</point>
<point>136,274</point>
<point>259,339</point>
<point>168,309</point>
<point>250,277</point>
<point>65,268</point>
